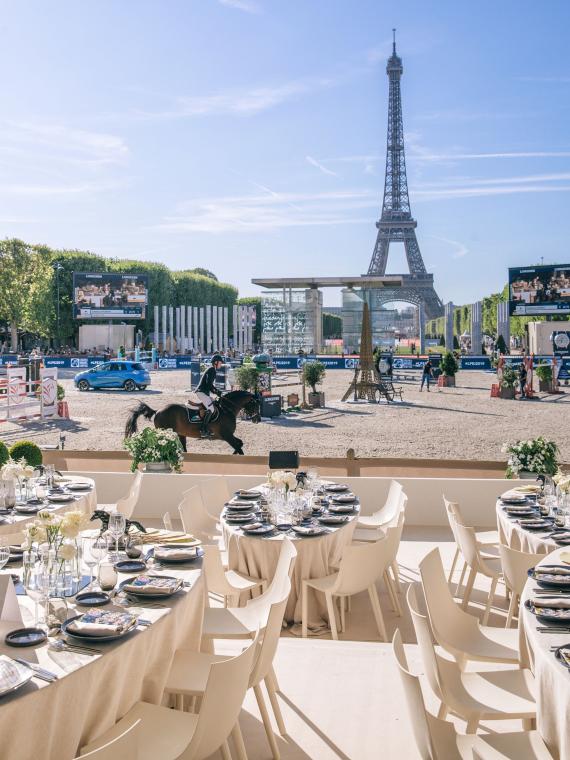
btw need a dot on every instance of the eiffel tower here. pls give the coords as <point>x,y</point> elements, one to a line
<point>396,223</point>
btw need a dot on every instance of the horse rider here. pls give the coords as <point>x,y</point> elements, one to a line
<point>204,389</point>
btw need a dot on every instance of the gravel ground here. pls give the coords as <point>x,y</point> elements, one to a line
<point>455,423</point>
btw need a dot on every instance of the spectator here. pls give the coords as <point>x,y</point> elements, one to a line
<point>426,374</point>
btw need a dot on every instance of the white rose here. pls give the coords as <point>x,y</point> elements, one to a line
<point>47,518</point>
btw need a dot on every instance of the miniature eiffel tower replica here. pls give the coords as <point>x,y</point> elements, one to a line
<point>365,380</point>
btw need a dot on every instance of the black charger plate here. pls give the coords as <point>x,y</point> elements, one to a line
<point>92,639</point>
<point>25,637</point>
<point>92,599</point>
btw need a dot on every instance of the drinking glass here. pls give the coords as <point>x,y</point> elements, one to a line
<point>4,553</point>
<point>107,576</point>
<point>36,585</point>
<point>134,546</point>
<point>117,525</point>
<point>91,556</point>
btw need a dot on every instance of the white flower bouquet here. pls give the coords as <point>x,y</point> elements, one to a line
<point>282,479</point>
<point>155,445</point>
<point>16,469</point>
<point>534,455</point>
<point>562,480</point>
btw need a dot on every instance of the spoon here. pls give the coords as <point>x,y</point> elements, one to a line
<point>62,646</point>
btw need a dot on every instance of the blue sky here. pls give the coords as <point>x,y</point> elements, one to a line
<point>248,136</point>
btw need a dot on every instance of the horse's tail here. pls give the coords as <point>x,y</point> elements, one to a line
<point>142,410</point>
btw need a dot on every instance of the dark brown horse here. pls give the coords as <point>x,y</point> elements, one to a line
<point>187,421</point>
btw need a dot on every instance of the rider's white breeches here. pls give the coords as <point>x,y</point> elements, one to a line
<point>206,400</point>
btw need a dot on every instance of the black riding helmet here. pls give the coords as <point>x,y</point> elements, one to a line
<point>217,358</point>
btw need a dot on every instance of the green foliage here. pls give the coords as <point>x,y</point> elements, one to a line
<point>332,325</point>
<point>246,376</point>
<point>155,445</point>
<point>60,392</point>
<point>313,374</point>
<point>4,453</point>
<point>27,450</point>
<point>449,364</point>
<point>204,273</point>
<point>534,455</point>
<point>510,378</point>
<point>455,343</point>
<point>544,372</point>
<point>500,345</point>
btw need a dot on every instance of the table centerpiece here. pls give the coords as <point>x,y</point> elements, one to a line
<point>532,458</point>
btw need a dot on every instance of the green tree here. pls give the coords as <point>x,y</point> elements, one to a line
<point>204,273</point>
<point>332,325</point>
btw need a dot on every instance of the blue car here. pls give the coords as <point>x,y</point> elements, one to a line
<point>113,374</point>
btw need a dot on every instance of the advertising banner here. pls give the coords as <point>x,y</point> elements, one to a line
<point>541,289</point>
<point>109,295</point>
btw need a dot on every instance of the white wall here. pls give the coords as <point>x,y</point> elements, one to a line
<point>163,493</point>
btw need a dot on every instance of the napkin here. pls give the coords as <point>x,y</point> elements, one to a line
<point>150,584</point>
<point>345,498</point>
<point>237,502</point>
<point>11,673</point>
<point>562,536</point>
<point>563,572</point>
<point>248,494</point>
<point>99,623</point>
<point>550,602</point>
<point>167,552</point>
<point>156,536</point>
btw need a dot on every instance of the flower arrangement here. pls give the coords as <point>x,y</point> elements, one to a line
<point>155,445</point>
<point>282,479</point>
<point>562,481</point>
<point>57,531</point>
<point>16,469</point>
<point>535,455</point>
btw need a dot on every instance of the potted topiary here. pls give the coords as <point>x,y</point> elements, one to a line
<point>509,382</point>
<point>28,451</point>
<point>246,377</point>
<point>449,367</point>
<point>313,374</point>
<point>4,453</point>
<point>544,373</point>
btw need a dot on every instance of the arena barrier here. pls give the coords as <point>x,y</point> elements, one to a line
<point>22,399</point>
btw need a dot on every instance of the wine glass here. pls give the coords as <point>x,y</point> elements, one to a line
<point>36,585</point>
<point>91,555</point>
<point>116,528</point>
<point>4,553</point>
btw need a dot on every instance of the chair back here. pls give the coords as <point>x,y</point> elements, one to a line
<point>394,534</point>
<point>271,636</point>
<point>516,565</point>
<point>393,502</point>
<point>467,539</point>
<point>424,635</point>
<point>195,520</point>
<point>361,565</point>
<point>167,521</point>
<point>126,505</point>
<point>125,746</point>
<point>226,687</point>
<point>284,567</point>
<point>215,493</point>
<point>214,569</point>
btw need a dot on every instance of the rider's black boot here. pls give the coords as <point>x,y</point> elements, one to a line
<point>204,431</point>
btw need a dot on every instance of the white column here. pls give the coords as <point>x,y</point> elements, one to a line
<point>156,326</point>
<point>476,328</point>
<point>189,326</point>
<point>235,324</point>
<point>221,342</point>
<point>226,328</point>
<point>171,327</point>
<point>449,309</point>
<point>215,344</point>
<point>196,323</point>
<point>177,326</point>
<point>164,327</point>
<point>208,329</point>
<point>202,330</point>
<point>183,329</point>
<point>251,321</point>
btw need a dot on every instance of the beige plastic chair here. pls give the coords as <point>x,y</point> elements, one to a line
<point>387,512</point>
<point>126,505</point>
<point>189,670</point>
<point>488,566</point>
<point>437,739</point>
<point>455,630</point>
<point>228,584</point>
<point>167,734</point>
<point>515,566</point>
<point>125,746</point>
<point>215,493</point>
<point>361,565</point>
<point>490,695</point>
<point>167,521</point>
<point>243,622</point>
<point>196,520</point>
<point>488,540</point>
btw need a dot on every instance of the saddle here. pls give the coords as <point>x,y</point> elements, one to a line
<point>193,408</point>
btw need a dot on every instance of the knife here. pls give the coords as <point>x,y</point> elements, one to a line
<point>45,675</point>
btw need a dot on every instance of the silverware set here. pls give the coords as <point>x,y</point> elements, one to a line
<point>39,672</point>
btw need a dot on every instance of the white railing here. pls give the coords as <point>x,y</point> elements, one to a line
<point>21,398</point>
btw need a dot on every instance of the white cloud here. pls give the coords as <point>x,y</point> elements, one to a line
<point>271,211</point>
<point>247,6</point>
<point>323,169</point>
<point>460,249</point>
<point>476,191</point>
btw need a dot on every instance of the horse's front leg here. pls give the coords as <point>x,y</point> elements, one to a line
<point>236,444</point>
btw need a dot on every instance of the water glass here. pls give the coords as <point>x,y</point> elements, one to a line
<point>134,546</point>
<point>107,576</point>
<point>4,554</point>
<point>116,528</point>
<point>37,587</point>
<point>91,555</point>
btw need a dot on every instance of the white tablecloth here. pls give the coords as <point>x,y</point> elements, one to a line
<point>552,678</point>
<point>511,534</point>
<point>86,501</point>
<point>52,721</point>
<point>317,557</point>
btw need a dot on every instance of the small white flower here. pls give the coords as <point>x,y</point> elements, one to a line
<point>67,551</point>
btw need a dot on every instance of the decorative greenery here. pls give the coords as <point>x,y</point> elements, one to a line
<point>153,445</point>
<point>535,455</point>
<point>544,372</point>
<point>313,374</point>
<point>332,325</point>
<point>449,364</point>
<point>246,376</point>
<point>60,392</point>
<point>510,378</point>
<point>501,346</point>
<point>28,451</point>
<point>4,453</point>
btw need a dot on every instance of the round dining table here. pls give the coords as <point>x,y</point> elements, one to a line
<point>512,534</point>
<point>317,557</point>
<point>92,691</point>
<point>552,678</point>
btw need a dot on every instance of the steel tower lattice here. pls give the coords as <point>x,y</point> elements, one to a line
<point>396,223</point>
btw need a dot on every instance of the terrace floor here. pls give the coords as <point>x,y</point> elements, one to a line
<point>343,699</point>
